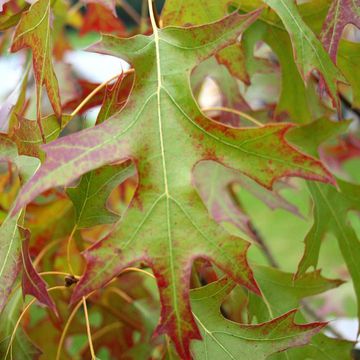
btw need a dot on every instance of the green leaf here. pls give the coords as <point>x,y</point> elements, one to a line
<point>348,60</point>
<point>294,95</point>
<point>22,348</point>
<point>309,137</point>
<point>308,51</point>
<point>90,195</point>
<point>282,294</point>
<point>331,208</point>
<point>163,130</point>
<point>224,339</point>
<point>215,182</point>
<point>10,259</point>
<point>201,12</point>
<point>10,237</point>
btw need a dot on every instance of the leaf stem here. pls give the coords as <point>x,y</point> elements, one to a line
<point>234,111</point>
<point>44,273</point>
<point>137,270</point>
<point>66,328</point>
<point>96,90</point>
<point>152,15</point>
<point>92,351</point>
<point>68,249</point>
<point>122,294</point>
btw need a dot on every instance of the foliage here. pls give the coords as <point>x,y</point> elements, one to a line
<point>138,234</point>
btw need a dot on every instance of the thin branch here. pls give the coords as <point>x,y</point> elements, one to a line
<point>137,270</point>
<point>66,328</point>
<point>88,330</point>
<point>233,111</point>
<point>44,273</point>
<point>122,294</point>
<point>349,106</point>
<point>130,11</point>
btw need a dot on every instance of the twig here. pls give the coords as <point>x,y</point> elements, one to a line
<point>233,111</point>
<point>130,11</point>
<point>66,328</point>
<point>88,330</point>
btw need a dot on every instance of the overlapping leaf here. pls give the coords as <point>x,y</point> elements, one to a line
<point>90,195</point>
<point>309,53</point>
<point>214,183</point>
<point>34,31</point>
<point>341,13</point>
<point>283,294</point>
<point>331,209</point>
<point>11,238</point>
<point>225,339</point>
<point>32,283</point>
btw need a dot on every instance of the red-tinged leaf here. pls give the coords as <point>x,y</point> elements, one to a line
<point>233,58</point>
<point>109,4</point>
<point>203,11</point>
<point>2,3</point>
<point>99,18</point>
<point>115,97</point>
<point>34,31</point>
<point>336,155</point>
<point>32,283</point>
<point>163,131</point>
<point>211,178</point>
<point>84,88</point>
<point>10,237</point>
<point>341,13</point>
<point>123,89</point>
<point>226,339</point>
<point>28,137</point>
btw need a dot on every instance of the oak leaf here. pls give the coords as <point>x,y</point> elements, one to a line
<point>163,131</point>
